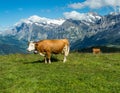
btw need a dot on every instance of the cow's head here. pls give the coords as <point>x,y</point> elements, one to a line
<point>31,46</point>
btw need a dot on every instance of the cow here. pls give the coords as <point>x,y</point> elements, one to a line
<point>50,46</point>
<point>96,50</point>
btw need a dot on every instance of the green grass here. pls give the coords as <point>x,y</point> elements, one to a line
<point>82,73</point>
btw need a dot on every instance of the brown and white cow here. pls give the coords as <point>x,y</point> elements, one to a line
<point>96,50</point>
<point>47,47</point>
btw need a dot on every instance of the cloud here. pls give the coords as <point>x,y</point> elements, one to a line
<point>95,4</point>
<point>112,3</point>
<point>81,16</point>
<point>74,15</point>
<point>76,5</point>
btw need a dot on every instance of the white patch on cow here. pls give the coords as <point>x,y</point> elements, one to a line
<point>35,52</point>
<point>42,54</point>
<point>31,46</point>
<point>66,50</point>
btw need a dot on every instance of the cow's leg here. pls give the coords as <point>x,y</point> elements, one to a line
<point>44,55</point>
<point>66,52</point>
<point>49,56</point>
<point>45,60</point>
<point>64,60</point>
<point>49,61</point>
<point>65,55</point>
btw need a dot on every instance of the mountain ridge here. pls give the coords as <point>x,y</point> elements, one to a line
<point>102,30</point>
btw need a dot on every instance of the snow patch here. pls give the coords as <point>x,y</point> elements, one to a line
<point>89,17</point>
<point>40,20</point>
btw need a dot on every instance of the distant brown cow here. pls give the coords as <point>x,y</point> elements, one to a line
<point>96,50</point>
<point>47,47</point>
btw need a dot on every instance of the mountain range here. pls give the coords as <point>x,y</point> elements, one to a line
<point>89,30</point>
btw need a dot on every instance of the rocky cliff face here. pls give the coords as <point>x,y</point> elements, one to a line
<point>108,33</point>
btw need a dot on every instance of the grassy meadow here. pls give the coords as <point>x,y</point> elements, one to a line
<point>82,73</point>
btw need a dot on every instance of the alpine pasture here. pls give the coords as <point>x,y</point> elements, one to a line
<point>82,73</point>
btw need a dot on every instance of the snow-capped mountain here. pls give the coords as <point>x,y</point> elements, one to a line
<point>87,17</point>
<point>87,29</point>
<point>40,21</point>
<point>35,26</point>
<point>43,28</point>
<point>107,33</point>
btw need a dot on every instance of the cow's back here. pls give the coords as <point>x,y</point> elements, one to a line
<point>66,41</point>
<point>54,46</point>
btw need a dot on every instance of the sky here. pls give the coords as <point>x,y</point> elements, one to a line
<point>12,11</point>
